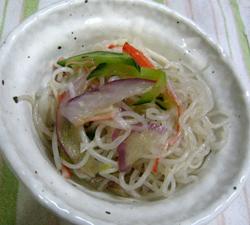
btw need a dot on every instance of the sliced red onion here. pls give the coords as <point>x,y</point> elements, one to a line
<point>69,150</point>
<point>75,88</point>
<point>115,134</point>
<point>60,123</point>
<point>122,157</point>
<point>77,109</point>
<point>137,145</point>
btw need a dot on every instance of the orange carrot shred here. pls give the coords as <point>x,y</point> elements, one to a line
<point>155,166</point>
<point>137,55</point>
<point>172,140</point>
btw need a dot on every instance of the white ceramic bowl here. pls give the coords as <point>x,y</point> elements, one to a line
<point>25,64</point>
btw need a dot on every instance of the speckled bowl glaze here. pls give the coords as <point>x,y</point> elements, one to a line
<point>26,64</point>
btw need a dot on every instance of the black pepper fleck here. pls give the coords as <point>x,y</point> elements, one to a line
<point>72,32</point>
<point>59,47</point>
<point>235,188</point>
<point>75,38</point>
<point>86,1</point>
<point>3,82</point>
<point>15,99</point>
<point>107,212</point>
<point>35,172</point>
<point>213,71</point>
<point>178,22</point>
<point>82,46</point>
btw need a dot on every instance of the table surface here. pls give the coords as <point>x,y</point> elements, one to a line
<point>228,24</point>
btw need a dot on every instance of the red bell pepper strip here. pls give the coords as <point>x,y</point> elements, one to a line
<point>111,46</point>
<point>137,55</point>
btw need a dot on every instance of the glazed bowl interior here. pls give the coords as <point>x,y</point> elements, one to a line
<point>72,27</point>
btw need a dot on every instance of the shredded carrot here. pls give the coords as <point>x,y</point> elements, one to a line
<point>172,140</point>
<point>170,93</point>
<point>137,55</point>
<point>66,172</point>
<point>61,96</point>
<point>155,166</point>
<point>111,46</point>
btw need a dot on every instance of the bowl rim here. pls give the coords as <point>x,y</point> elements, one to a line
<point>51,201</point>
